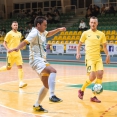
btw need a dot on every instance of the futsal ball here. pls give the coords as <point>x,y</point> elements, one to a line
<point>97,89</point>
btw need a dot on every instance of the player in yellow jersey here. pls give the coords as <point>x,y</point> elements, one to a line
<point>93,38</point>
<point>12,40</point>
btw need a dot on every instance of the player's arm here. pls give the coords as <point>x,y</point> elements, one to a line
<point>53,32</point>
<point>105,49</point>
<point>82,40</point>
<point>78,55</point>
<point>5,45</point>
<point>106,52</point>
<point>6,40</point>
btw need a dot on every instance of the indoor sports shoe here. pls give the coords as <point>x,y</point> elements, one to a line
<point>40,109</point>
<point>55,99</point>
<point>80,94</point>
<point>94,99</point>
<point>22,84</point>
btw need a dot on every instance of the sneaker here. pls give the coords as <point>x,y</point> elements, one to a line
<point>80,94</point>
<point>22,84</point>
<point>40,109</point>
<point>55,99</point>
<point>94,99</point>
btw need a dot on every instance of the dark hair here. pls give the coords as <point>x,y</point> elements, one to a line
<point>93,17</point>
<point>14,22</point>
<point>39,19</point>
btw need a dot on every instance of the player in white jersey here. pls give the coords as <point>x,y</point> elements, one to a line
<point>37,59</point>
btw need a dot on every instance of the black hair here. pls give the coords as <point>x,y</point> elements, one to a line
<point>39,19</point>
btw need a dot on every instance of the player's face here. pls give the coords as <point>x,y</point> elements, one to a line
<point>43,26</point>
<point>93,24</point>
<point>14,26</point>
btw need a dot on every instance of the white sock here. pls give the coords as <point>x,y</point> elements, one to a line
<point>51,83</point>
<point>42,93</point>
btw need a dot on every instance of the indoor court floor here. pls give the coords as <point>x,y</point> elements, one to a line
<point>18,102</point>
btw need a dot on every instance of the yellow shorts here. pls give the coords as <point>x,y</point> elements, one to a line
<point>14,60</point>
<point>94,65</point>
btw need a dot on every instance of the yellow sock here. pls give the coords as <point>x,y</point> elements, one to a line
<point>4,68</point>
<point>87,83</point>
<point>20,74</point>
<point>93,95</point>
<point>98,81</point>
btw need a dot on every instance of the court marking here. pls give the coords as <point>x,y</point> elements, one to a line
<point>109,109</point>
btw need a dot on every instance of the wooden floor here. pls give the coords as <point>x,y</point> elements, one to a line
<point>16,102</point>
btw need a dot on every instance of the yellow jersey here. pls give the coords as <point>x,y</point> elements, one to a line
<point>13,40</point>
<point>93,41</point>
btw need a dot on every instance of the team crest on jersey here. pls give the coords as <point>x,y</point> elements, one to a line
<point>98,36</point>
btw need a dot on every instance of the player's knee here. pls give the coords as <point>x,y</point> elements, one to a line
<point>100,74</point>
<point>53,71</point>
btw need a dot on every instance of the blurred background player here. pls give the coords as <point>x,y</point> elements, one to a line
<point>37,60</point>
<point>93,39</point>
<point>12,40</point>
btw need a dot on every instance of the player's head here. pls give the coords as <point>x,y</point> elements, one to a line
<point>93,23</point>
<point>14,25</point>
<point>40,23</point>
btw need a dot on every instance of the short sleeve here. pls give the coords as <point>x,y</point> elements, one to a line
<point>20,36</point>
<point>46,33</point>
<point>7,37</point>
<point>103,40</point>
<point>83,37</point>
<point>31,37</point>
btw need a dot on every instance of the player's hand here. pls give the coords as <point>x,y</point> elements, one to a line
<point>107,59</point>
<point>62,29</point>
<point>9,51</point>
<point>78,56</point>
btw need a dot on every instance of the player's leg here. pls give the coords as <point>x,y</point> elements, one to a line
<point>8,66</point>
<point>42,93</point>
<point>90,65</point>
<point>19,62</point>
<point>51,83</point>
<point>99,69</point>
<point>99,74</point>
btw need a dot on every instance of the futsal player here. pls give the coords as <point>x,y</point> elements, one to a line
<point>37,60</point>
<point>93,38</point>
<point>12,40</point>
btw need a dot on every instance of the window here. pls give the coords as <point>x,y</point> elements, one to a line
<point>74,2</point>
<point>46,9</point>
<point>40,4</point>
<point>58,3</point>
<point>34,5</point>
<point>16,6</point>
<point>88,2</point>
<point>21,6</point>
<point>53,3</point>
<point>46,4</point>
<point>81,3</point>
<point>28,5</point>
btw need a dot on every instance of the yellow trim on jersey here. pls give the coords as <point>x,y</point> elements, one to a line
<point>26,41</point>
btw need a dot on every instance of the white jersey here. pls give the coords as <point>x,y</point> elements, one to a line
<point>37,46</point>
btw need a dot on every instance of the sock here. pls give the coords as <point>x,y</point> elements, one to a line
<point>20,75</point>
<point>42,93</point>
<point>93,95</point>
<point>98,81</point>
<point>87,83</point>
<point>4,68</point>
<point>51,83</point>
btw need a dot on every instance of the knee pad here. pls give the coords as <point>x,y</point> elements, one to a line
<point>44,74</point>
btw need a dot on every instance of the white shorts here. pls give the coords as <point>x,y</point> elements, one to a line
<point>39,65</point>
